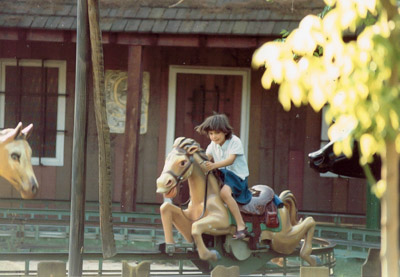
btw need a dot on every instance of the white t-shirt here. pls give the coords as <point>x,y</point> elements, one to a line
<point>230,146</point>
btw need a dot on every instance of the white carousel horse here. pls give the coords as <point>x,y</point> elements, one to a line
<point>185,162</point>
<point>15,160</point>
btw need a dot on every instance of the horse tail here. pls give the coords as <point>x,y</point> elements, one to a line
<point>290,203</point>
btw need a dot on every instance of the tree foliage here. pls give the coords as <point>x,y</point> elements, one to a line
<point>356,78</point>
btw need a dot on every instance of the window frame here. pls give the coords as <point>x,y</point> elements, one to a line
<point>245,73</point>
<point>61,65</point>
<point>324,140</point>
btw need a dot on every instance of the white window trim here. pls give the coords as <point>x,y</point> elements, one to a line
<point>324,141</point>
<point>174,70</point>
<point>61,103</point>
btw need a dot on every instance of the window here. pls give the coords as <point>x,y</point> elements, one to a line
<point>34,91</point>
<point>325,140</point>
<point>244,73</point>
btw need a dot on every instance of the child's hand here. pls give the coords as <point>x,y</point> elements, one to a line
<point>210,166</point>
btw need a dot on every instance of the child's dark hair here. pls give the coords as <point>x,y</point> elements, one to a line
<point>215,122</point>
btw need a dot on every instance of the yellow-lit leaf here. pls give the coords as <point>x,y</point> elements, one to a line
<point>291,71</point>
<point>380,188</point>
<point>310,22</point>
<point>348,18</point>
<point>330,2</point>
<point>397,141</point>
<point>284,99</point>
<point>364,117</point>
<point>361,9</point>
<point>394,119</point>
<point>347,147</point>
<point>301,42</point>
<point>371,5</point>
<point>337,148</point>
<point>380,123</point>
<point>317,98</point>
<point>277,72</point>
<point>368,145</point>
<point>267,52</point>
<point>266,80</point>
<point>330,23</point>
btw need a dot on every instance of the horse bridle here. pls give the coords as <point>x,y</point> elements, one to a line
<point>179,180</point>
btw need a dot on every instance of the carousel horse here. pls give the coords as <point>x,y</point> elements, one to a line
<point>207,214</point>
<point>324,160</point>
<point>15,160</point>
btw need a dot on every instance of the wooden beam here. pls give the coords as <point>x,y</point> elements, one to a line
<point>103,132</point>
<point>136,39</point>
<point>171,40</point>
<point>7,34</point>
<point>231,42</point>
<point>132,128</point>
<point>190,40</point>
<point>46,36</point>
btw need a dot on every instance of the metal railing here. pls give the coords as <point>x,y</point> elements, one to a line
<point>32,221</point>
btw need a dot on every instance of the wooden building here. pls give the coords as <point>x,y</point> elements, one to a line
<point>189,58</point>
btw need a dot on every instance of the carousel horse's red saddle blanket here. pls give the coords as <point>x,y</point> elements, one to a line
<point>261,208</point>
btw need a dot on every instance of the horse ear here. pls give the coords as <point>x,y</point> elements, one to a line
<point>193,149</point>
<point>26,132</point>
<point>12,135</point>
<point>178,141</point>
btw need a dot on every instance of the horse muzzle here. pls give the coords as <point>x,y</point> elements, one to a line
<point>31,191</point>
<point>166,184</point>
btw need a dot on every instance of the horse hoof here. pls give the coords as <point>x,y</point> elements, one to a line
<point>317,260</point>
<point>218,256</point>
<point>170,248</point>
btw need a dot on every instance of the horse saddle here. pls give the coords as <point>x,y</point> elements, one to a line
<point>261,196</point>
<point>261,209</point>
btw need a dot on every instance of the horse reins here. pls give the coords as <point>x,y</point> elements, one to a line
<point>179,180</point>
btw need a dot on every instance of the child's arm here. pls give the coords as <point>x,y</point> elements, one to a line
<point>231,158</point>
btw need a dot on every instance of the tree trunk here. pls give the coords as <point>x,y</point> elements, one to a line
<point>390,212</point>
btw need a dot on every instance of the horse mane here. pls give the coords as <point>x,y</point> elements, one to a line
<point>186,143</point>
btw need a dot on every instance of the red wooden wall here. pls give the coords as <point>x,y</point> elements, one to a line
<point>279,141</point>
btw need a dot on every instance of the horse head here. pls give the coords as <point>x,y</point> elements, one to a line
<point>15,155</point>
<point>324,160</point>
<point>178,166</point>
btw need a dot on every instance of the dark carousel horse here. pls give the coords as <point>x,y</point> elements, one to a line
<point>324,160</point>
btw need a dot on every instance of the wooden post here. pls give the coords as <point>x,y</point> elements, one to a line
<point>222,271</point>
<point>52,269</point>
<point>103,133</point>
<point>132,128</point>
<point>314,271</point>
<point>77,219</point>
<point>373,210</point>
<point>140,270</point>
<point>390,211</point>
<point>372,265</point>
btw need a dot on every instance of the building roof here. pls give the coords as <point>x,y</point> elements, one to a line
<point>210,17</point>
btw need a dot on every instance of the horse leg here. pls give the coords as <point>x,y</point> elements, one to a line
<point>210,224</point>
<point>304,229</point>
<point>305,251</point>
<point>288,239</point>
<point>172,215</point>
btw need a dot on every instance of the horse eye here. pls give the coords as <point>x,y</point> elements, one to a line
<point>182,163</point>
<point>15,157</point>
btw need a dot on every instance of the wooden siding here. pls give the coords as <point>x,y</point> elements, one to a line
<point>279,141</point>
